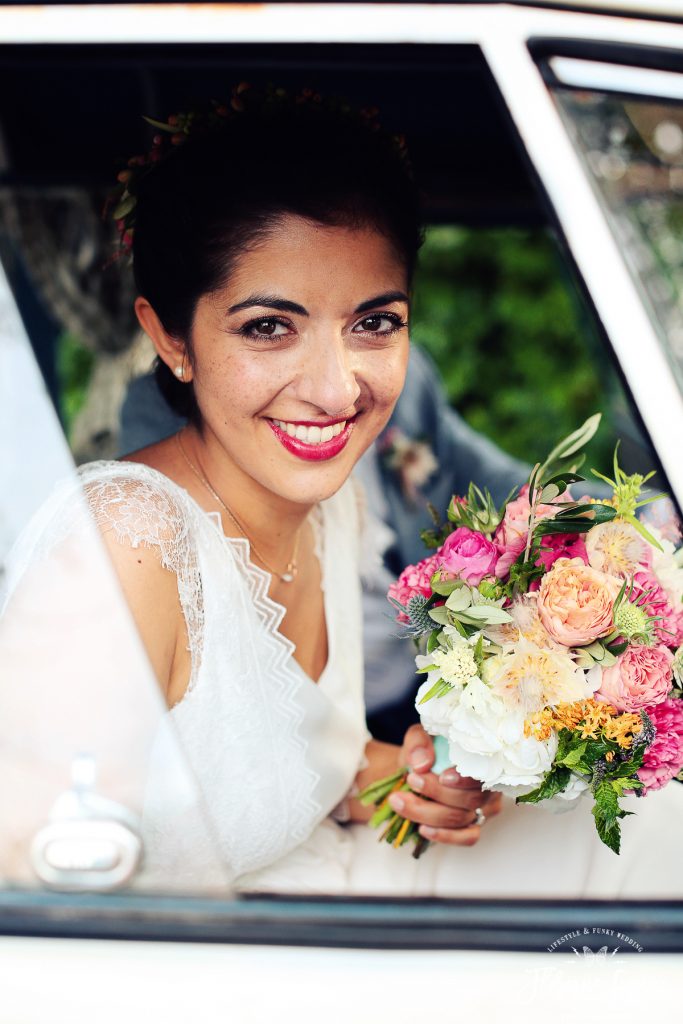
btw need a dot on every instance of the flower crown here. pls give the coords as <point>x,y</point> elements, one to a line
<point>178,128</point>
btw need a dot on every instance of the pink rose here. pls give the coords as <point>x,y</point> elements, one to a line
<point>468,555</point>
<point>576,602</point>
<point>511,535</point>
<point>414,580</point>
<point>663,760</point>
<point>669,628</point>
<point>640,677</point>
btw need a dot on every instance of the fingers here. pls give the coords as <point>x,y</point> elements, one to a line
<point>418,749</point>
<point>434,788</point>
<point>451,777</point>
<point>452,837</point>
<point>445,814</point>
<point>441,815</point>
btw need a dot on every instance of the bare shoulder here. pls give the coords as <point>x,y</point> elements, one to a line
<point>145,520</point>
<point>151,592</point>
<point>164,456</point>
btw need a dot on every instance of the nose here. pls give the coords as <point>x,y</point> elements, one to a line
<point>328,377</point>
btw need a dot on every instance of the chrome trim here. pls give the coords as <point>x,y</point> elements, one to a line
<point>593,74</point>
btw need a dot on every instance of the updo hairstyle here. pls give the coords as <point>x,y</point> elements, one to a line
<point>199,209</point>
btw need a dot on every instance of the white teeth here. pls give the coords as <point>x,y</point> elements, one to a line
<point>311,435</point>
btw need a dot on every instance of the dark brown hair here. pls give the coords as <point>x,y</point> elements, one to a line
<point>200,208</point>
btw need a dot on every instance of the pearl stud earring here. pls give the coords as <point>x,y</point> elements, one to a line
<point>179,372</point>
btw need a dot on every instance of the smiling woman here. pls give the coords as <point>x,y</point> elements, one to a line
<point>267,386</point>
<point>273,255</point>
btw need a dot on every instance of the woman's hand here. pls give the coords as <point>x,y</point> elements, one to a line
<point>448,815</point>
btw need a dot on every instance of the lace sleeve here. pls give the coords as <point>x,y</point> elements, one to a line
<point>144,508</point>
<point>141,507</point>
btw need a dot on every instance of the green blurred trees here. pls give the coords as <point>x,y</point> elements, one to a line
<point>520,360</point>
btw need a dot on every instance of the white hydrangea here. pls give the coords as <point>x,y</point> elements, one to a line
<point>436,713</point>
<point>486,742</point>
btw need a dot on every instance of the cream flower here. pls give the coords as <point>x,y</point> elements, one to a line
<point>529,678</point>
<point>456,666</point>
<point>666,565</point>
<point>616,548</point>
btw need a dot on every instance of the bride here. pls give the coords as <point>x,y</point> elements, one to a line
<point>273,257</point>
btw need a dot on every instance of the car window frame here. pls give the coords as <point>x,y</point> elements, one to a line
<point>493,924</point>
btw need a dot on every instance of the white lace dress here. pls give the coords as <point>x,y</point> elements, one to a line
<point>273,754</point>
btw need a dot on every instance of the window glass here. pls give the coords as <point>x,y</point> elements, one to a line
<point>88,757</point>
<point>519,357</point>
<point>633,149</point>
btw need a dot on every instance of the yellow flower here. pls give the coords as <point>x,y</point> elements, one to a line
<point>591,717</point>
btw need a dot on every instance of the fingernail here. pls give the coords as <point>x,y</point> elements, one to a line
<point>415,781</point>
<point>450,777</point>
<point>427,831</point>
<point>396,802</point>
<point>420,758</point>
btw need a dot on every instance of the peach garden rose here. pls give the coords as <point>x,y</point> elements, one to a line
<point>576,602</point>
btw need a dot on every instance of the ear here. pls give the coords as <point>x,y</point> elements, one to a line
<point>169,349</point>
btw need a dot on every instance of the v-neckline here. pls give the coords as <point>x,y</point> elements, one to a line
<point>241,544</point>
<point>321,551</point>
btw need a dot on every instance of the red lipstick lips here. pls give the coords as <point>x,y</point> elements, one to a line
<point>314,452</point>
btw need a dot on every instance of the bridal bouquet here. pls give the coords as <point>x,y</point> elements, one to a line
<point>550,633</point>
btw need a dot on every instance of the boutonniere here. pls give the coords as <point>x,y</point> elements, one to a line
<point>412,460</point>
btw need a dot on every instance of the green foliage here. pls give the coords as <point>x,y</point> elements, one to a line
<point>75,364</point>
<point>554,782</point>
<point>498,314</point>
<point>609,780</point>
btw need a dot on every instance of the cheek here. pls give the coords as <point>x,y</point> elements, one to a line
<point>239,383</point>
<point>386,375</point>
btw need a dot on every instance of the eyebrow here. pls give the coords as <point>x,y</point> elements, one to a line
<point>285,306</point>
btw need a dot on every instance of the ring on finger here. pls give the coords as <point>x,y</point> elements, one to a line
<point>479,816</point>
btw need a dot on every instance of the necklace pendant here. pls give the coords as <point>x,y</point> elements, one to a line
<point>289,575</point>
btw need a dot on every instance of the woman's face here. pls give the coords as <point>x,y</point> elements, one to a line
<point>299,359</point>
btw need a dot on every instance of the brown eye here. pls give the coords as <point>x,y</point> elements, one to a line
<point>265,327</point>
<point>372,323</point>
<point>380,323</point>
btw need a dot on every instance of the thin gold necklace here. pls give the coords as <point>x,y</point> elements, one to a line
<point>290,573</point>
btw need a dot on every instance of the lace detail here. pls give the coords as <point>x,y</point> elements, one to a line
<point>290,711</point>
<point>272,752</point>
<point>142,507</point>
